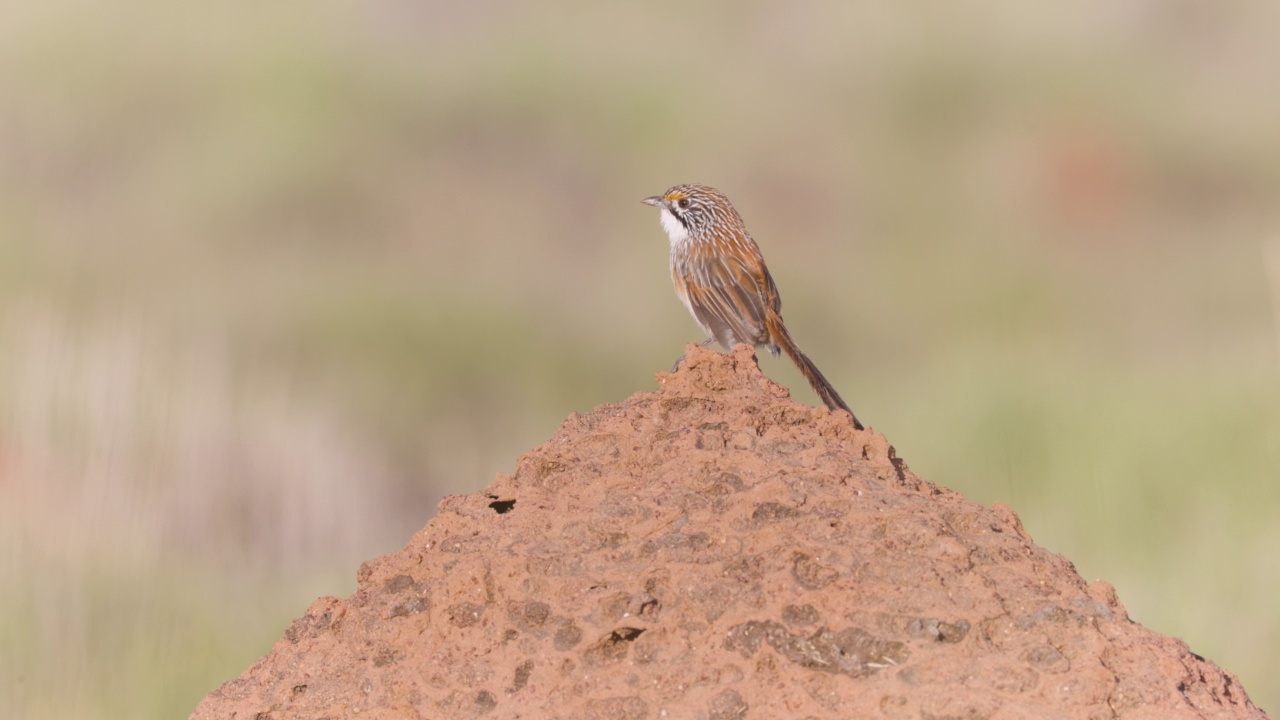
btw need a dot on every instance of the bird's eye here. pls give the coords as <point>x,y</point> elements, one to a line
<point>684,203</point>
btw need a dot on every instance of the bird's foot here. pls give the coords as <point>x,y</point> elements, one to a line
<point>676,365</point>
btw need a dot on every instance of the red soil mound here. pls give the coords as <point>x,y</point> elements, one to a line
<point>715,550</point>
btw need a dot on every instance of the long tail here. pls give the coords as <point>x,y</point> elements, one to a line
<point>832,399</point>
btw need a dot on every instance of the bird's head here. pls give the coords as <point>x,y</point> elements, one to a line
<point>692,209</point>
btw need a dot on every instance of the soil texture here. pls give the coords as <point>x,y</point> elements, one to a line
<point>715,550</point>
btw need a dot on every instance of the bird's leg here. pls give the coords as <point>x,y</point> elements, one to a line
<point>680,359</point>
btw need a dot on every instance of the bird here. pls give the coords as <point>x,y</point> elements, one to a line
<point>721,278</point>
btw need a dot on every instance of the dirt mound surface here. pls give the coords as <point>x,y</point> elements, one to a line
<point>715,550</point>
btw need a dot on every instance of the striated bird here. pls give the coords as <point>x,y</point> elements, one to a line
<point>722,280</point>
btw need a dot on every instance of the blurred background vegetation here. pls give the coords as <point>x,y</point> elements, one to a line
<point>276,276</point>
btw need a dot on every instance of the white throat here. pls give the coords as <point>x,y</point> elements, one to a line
<point>676,231</point>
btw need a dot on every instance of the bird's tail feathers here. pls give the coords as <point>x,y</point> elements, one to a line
<point>831,398</point>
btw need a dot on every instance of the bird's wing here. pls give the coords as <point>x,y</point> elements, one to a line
<point>729,292</point>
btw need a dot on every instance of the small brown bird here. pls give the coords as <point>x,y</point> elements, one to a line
<point>721,277</point>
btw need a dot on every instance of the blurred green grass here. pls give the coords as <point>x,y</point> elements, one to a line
<point>273,278</point>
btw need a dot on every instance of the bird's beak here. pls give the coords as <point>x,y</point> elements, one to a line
<point>655,201</point>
